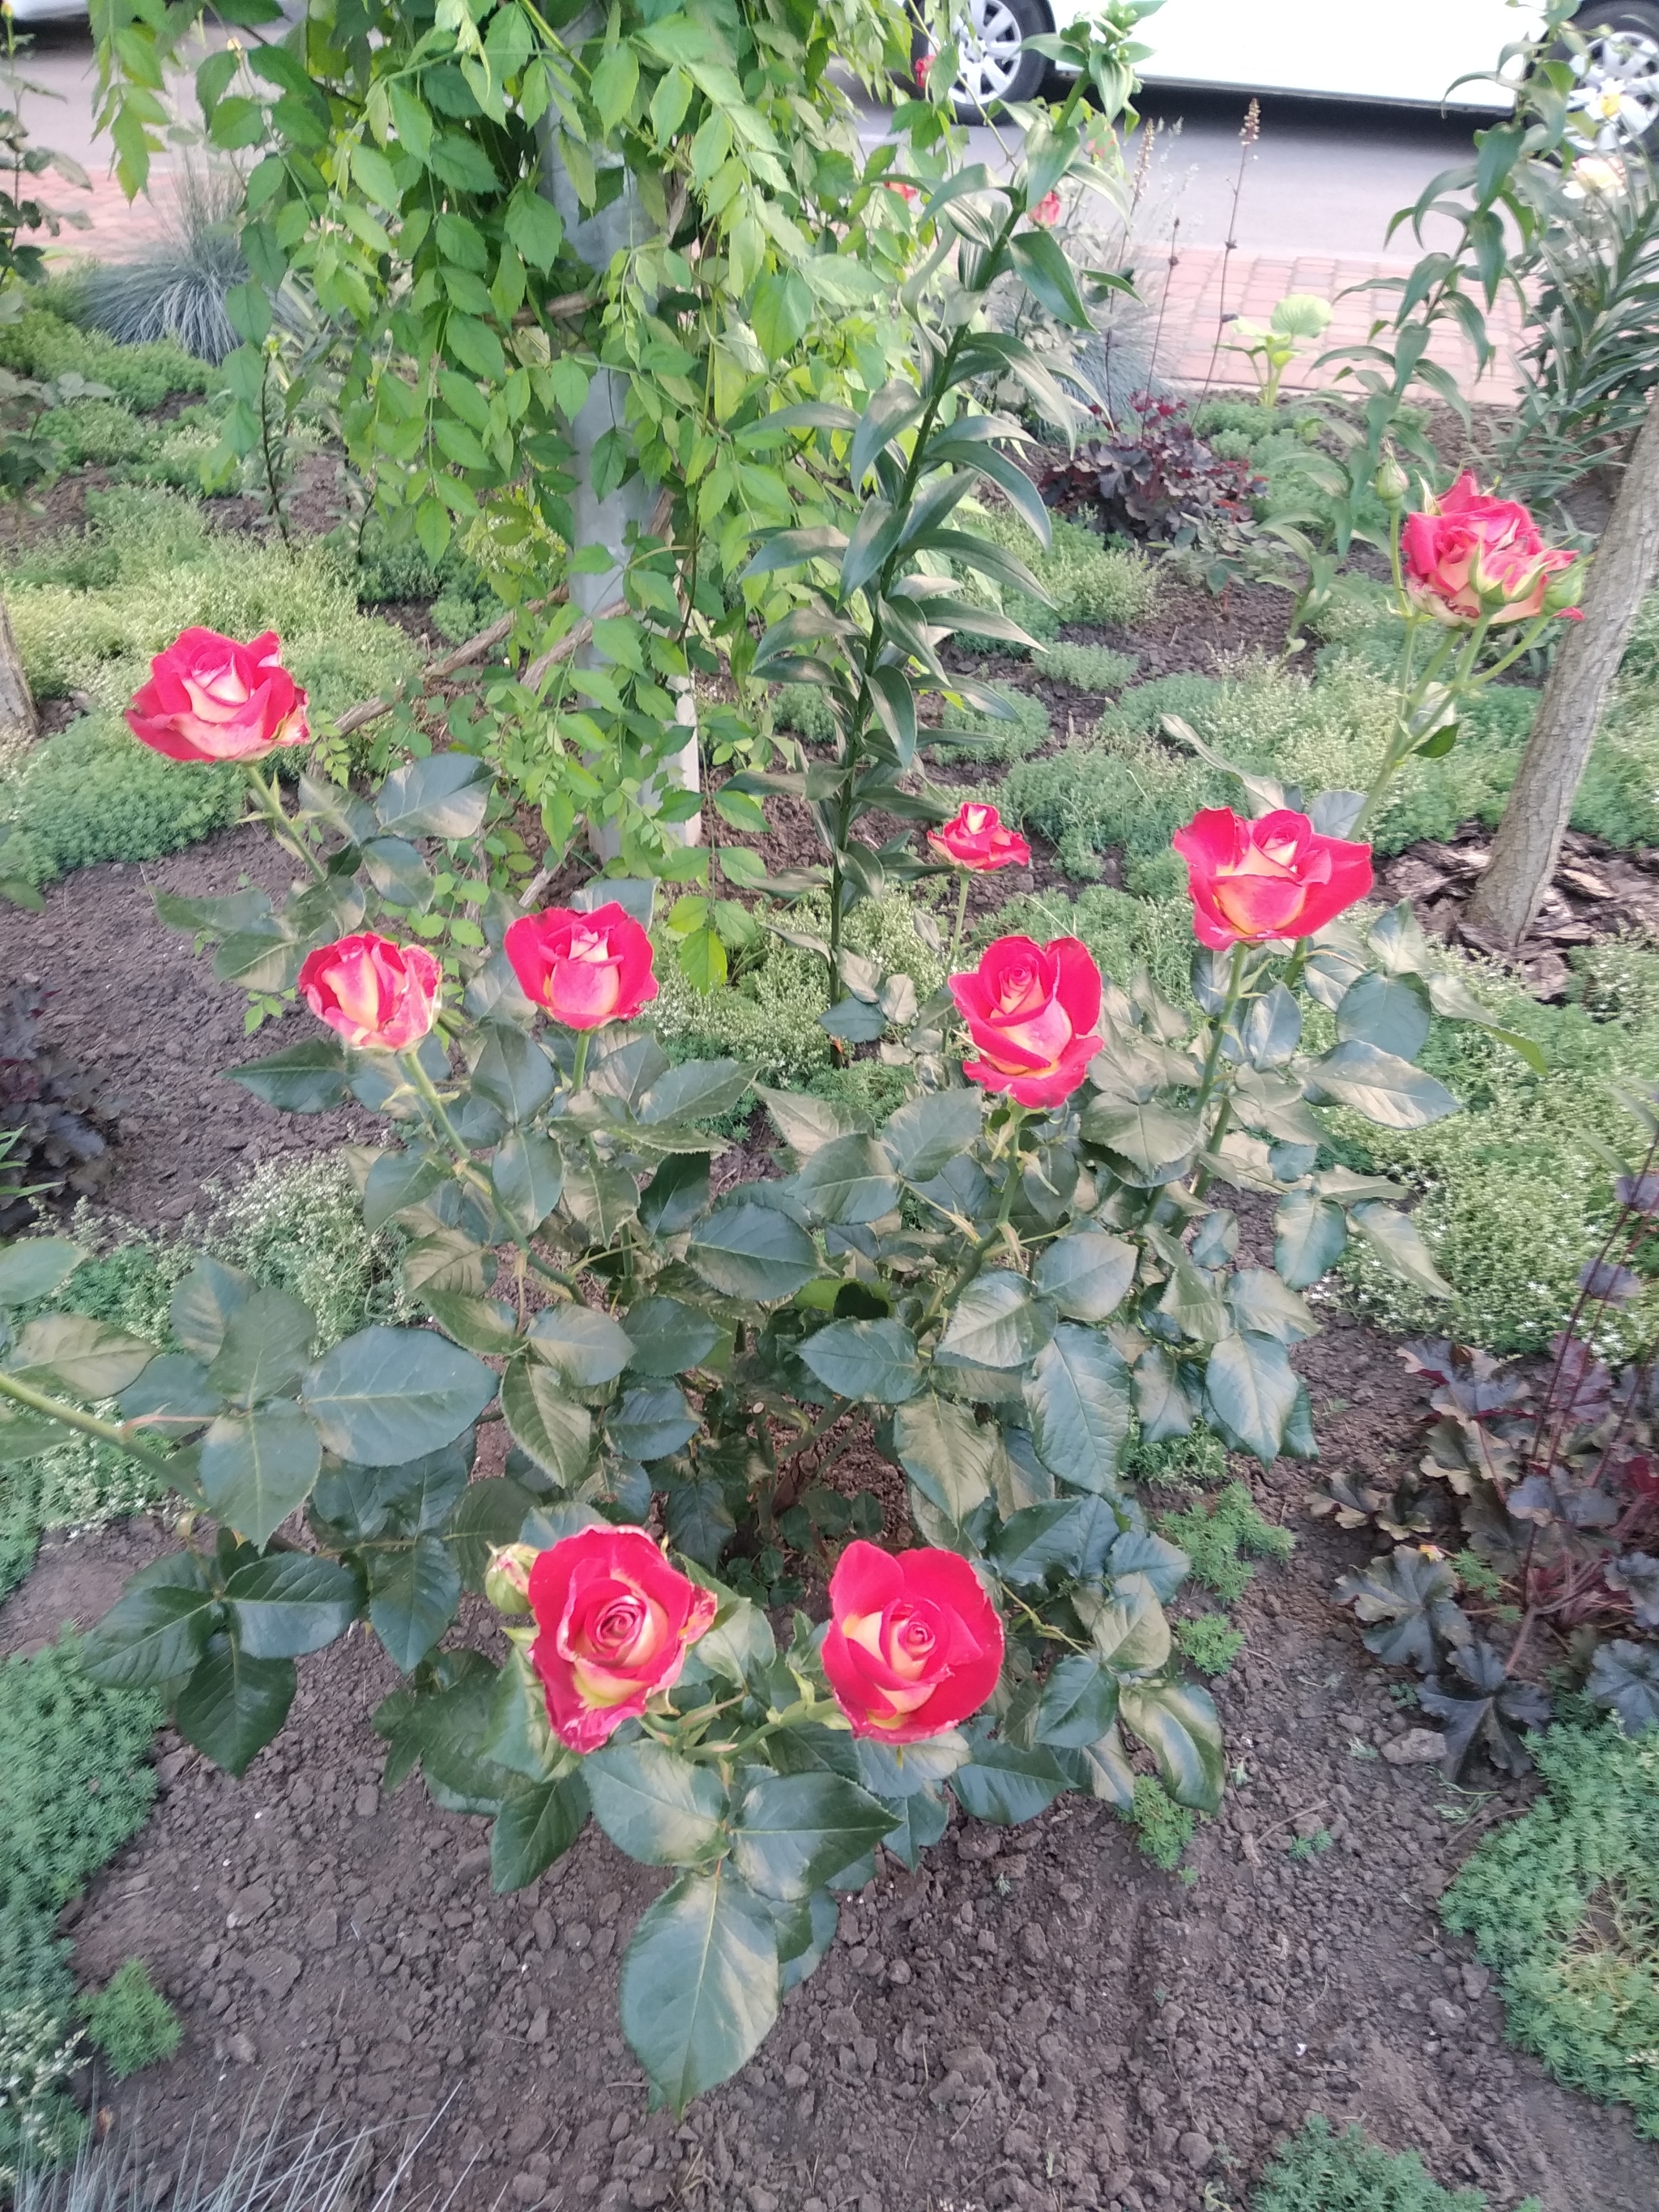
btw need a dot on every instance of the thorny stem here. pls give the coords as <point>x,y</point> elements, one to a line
<point>89,1424</point>
<point>962,915</point>
<point>269,806</point>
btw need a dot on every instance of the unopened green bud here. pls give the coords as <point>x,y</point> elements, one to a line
<point>507,1583</point>
<point>1564,589</point>
<point>1391,483</point>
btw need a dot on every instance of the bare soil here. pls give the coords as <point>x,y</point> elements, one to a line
<point>1038,2017</point>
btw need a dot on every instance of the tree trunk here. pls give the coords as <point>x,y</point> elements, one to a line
<point>1528,840</point>
<point>18,726</point>
<point>607,522</point>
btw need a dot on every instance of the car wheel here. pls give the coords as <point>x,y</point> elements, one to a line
<point>1617,99</point>
<point>993,69</point>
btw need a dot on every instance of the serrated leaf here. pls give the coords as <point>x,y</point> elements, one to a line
<point>585,1346</point>
<point>257,1468</point>
<point>1311,1235</point>
<point>875,1362</point>
<point>658,1808</point>
<point>997,1322</point>
<point>1087,1274</point>
<point>291,1603</point>
<point>791,1832</point>
<point>532,1830</point>
<point>1177,1722</point>
<point>388,1396</point>
<point>700,1984</point>
<point>557,1433</point>
<point>1385,1090</point>
<point>234,1704</point>
<point>1251,1388</point>
<point>1079,1397</point>
<point>752,1251</point>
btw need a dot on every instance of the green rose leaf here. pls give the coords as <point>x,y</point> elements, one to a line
<point>1177,1722</point>
<point>873,1361</point>
<point>1389,1011</point>
<point>412,1597</point>
<point>527,1177</point>
<point>1008,1783</point>
<point>700,1984</point>
<point>585,1346</point>
<point>266,1347</point>
<point>486,1326</point>
<point>234,1703</point>
<point>1087,1274</point>
<point>669,1338</point>
<point>557,1434</point>
<point>489,1516</point>
<point>291,1603</point>
<point>1153,1144</point>
<point>1130,1629</point>
<point>946,1453</point>
<point>35,1267</point>
<point>156,1630</point>
<point>88,1359</point>
<point>650,1422</point>
<point>399,1180</point>
<point>848,1180</point>
<point>1078,1396</point>
<point>657,1809</point>
<point>1103,1770</point>
<point>998,1322</point>
<point>1385,1090</point>
<point>257,1468</point>
<point>532,1830</point>
<point>696,1090</point>
<point>753,1251</point>
<point>923,1817</point>
<point>1310,1237</point>
<point>1251,1388</point>
<point>1077,1705</point>
<point>302,1079</point>
<point>444,795</point>
<point>513,1072</point>
<point>929,1131</point>
<point>203,1303</point>
<point>1260,1300</point>
<point>790,1833</point>
<point>1398,1244</point>
<point>389,1395</point>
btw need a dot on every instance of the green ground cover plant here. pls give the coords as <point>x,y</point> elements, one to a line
<point>1090,667</point>
<point>1517,1189</point>
<point>131,2022</point>
<point>43,345</point>
<point>1221,1535</point>
<point>1563,1903</point>
<point>1320,2171</point>
<point>77,1786</point>
<point>1088,582</point>
<point>1024,731</point>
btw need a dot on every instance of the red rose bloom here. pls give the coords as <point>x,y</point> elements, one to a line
<point>585,969</point>
<point>1274,877</point>
<point>1046,213</point>
<point>1467,550</point>
<point>978,838</point>
<point>615,1621</point>
<point>211,699</point>
<point>374,993</point>
<point>924,63</point>
<point>1031,1010</point>
<point>915,1644</point>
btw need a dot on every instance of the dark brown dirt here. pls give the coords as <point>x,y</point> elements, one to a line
<point>135,1006</point>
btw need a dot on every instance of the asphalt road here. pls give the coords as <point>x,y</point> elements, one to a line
<point>1324,177</point>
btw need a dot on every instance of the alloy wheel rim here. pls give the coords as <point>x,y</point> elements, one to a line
<point>988,39</point>
<point>1617,99</point>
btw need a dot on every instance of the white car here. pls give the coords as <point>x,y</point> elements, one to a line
<point>1413,53</point>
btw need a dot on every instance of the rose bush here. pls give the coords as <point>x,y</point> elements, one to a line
<point>211,699</point>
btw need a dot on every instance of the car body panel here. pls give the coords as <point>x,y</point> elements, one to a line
<point>1409,50</point>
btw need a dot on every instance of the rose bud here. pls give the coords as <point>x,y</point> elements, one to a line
<point>978,838</point>
<point>506,1580</point>
<point>1046,213</point>
<point>1469,556</point>
<point>211,699</point>
<point>615,1621</point>
<point>1391,484</point>
<point>585,969</point>
<point>915,1644</point>
<point>1274,877</point>
<point>377,995</point>
<point>1030,1009</point>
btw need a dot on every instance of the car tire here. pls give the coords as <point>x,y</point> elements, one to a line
<point>994,70</point>
<point>1621,64</point>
